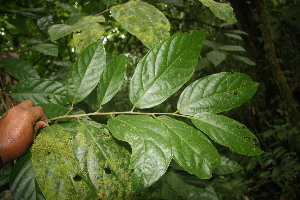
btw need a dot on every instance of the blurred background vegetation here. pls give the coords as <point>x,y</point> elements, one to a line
<point>264,43</point>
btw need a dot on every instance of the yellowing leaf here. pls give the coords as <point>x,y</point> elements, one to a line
<point>144,21</point>
<point>89,31</point>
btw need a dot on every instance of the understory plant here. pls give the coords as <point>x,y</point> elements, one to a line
<point>76,157</point>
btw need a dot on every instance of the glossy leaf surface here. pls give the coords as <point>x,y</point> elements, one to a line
<point>19,69</point>
<point>221,10</point>
<point>216,93</point>
<point>228,132</point>
<point>190,148</point>
<point>23,184</point>
<point>111,79</point>
<point>144,21</point>
<point>85,72</point>
<point>40,91</point>
<point>164,69</point>
<point>150,143</point>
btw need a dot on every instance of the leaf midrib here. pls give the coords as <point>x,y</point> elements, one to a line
<point>230,133</point>
<point>202,99</point>
<point>151,85</point>
<point>182,139</point>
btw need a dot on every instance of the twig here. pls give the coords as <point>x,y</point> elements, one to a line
<point>114,113</point>
<point>101,13</point>
<point>27,49</point>
<point>259,185</point>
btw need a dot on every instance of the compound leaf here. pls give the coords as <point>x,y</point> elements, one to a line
<point>191,149</point>
<point>144,21</point>
<point>151,147</point>
<point>40,91</point>
<point>228,132</point>
<point>111,79</point>
<point>216,93</point>
<point>164,69</point>
<point>221,10</point>
<point>85,72</point>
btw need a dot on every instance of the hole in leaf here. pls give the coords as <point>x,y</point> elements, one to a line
<point>235,93</point>
<point>48,96</point>
<point>48,153</point>
<point>107,170</point>
<point>77,178</point>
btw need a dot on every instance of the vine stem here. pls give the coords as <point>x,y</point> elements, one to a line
<point>114,113</point>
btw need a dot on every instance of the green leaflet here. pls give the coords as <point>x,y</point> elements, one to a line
<point>67,7</point>
<point>216,57</point>
<point>190,148</point>
<point>111,79</point>
<point>176,187</point>
<point>109,2</point>
<point>232,48</point>
<point>164,69</point>
<point>47,49</point>
<point>228,132</point>
<point>59,30</point>
<point>40,91</point>
<point>45,23</point>
<point>221,10</point>
<point>244,60</point>
<point>227,166</point>
<point>54,110</point>
<point>144,21</point>
<point>150,143</point>
<point>19,69</point>
<point>216,93</point>
<point>85,72</point>
<point>88,28</point>
<point>234,36</point>
<point>23,184</point>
